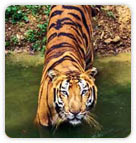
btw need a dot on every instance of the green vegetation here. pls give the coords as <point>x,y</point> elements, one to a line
<point>14,40</point>
<point>33,8</point>
<point>111,14</point>
<point>15,14</point>
<point>31,35</point>
<point>33,19</point>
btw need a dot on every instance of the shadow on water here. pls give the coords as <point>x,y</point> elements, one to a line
<point>113,109</point>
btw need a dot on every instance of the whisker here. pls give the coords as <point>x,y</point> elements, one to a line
<point>59,121</point>
<point>90,119</point>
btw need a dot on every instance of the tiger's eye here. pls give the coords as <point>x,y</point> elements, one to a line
<point>64,93</point>
<point>84,92</point>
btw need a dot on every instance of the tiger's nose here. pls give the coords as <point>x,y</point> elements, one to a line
<point>75,113</point>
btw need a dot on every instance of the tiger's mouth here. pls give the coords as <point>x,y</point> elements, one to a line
<point>75,119</point>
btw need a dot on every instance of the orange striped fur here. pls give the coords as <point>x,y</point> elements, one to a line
<point>67,91</point>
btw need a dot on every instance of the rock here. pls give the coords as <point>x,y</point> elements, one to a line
<point>107,41</point>
<point>114,40</point>
<point>20,37</point>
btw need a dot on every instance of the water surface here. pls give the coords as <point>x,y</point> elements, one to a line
<point>113,109</point>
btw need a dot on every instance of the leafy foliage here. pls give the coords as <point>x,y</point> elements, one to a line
<point>48,9</point>
<point>15,14</point>
<point>31,35</point>
<point>33,19</point>
<point>34,9</point>
<point>110,14</point>
<point>14,40</point>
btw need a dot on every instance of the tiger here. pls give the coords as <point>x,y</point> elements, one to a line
<point>67,91</point>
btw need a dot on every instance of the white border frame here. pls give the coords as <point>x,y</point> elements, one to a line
<point>3,137</point>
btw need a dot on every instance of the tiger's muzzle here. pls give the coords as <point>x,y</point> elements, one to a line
<point>75,118</point>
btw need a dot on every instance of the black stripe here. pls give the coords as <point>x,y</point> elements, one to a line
<point>59,23</point>
<point>78,39</point>
<point>92,105</point>
<point>70,23</point>
<point>59,103</point>
<point>76,30</point>
<point>86,40</point>
<point>88,62</point>
<point>83,34</point>
<point>86,8</point>
<point>58,109</point>
<point>61,60</point>
<point>66,18</point>
<point>54,91</point>
<point>68,35</point>
<point>56,46</point>
<point>57,12</point>
<point>63,87</point>
<point>94,93</point>
<point>82,14</point>
<point>56,55</point>
<point>79,26</point>
<point>82,53</point>
<point>60,86</point>
<point>77,66</point>
<point>75,15</point>
<point>53,6</point>
<point>52,25</point>
<point>51,37</point>
<point>50,113</point>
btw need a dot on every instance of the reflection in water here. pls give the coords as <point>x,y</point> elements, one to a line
<point>112,110</point>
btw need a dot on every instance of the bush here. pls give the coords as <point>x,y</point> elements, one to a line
<point>47,10</point>
<point>42,28</point>
<point>30,35</point>
<point>14,40</point>
<point>34,9</point>
<point>15,14</point>
<point>33,19</point>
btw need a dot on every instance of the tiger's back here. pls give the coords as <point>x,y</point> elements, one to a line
<point>69,33</point>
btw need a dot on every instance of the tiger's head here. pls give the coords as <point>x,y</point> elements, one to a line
<point>74,95</point>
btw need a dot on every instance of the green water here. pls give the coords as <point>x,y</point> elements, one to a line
<point>113,109</point>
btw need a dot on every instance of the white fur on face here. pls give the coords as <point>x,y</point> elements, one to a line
<point>83,85</point>
<point>75,122</point>
<point>90,100</point>
<point>65,86</point>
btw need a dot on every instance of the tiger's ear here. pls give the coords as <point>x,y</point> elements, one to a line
<point>93,72</point>
<point>53,74</point>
